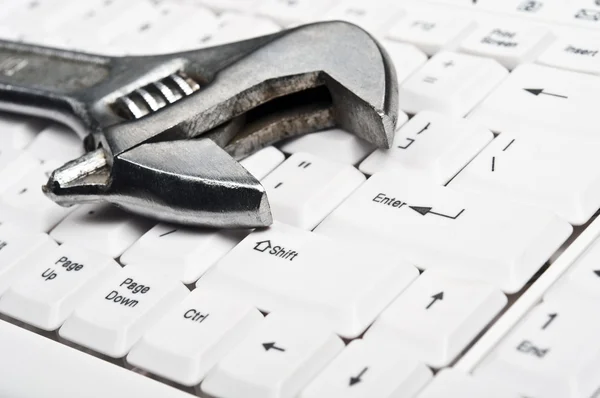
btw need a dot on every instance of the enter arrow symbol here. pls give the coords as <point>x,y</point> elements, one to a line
<point>427,210</point>
<point>358,379</point>
<point>421,210</point>
<point>597,272</point>
<point>434,299</point>
<point>272,346</point>
<point>540,91</point>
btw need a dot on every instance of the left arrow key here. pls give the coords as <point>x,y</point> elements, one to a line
<point>276,360</point>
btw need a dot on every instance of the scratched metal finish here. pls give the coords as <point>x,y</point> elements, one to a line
<point>252,94</point>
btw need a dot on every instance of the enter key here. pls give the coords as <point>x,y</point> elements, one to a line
<point>499,242</point>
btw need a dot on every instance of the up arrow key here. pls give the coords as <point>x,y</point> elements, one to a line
<point>435,298</point>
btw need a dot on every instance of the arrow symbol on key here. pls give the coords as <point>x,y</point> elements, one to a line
<point>358,379</point>
<point>272,346</point>
<point>540,91</point>
<point>434,299</point>
<point>428,210</point>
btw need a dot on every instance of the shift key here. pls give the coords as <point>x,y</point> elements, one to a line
<point>434,226</point>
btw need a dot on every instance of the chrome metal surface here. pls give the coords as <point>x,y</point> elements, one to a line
<point>164,130</point>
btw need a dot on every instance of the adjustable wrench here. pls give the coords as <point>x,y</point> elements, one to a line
<point>163,132</point>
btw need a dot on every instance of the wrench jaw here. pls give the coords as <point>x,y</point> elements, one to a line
<point>171,154</point>
<point>191,182</point>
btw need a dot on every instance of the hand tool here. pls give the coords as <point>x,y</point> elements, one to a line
<point>163,132</point>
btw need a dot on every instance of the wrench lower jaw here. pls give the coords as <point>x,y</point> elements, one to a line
<point>191,182</point>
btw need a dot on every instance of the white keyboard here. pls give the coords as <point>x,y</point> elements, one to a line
<point>462,262</point>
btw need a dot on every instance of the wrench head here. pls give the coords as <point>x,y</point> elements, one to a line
<point>174,164</point>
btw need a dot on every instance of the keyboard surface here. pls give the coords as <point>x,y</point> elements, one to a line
<point>462,262</point>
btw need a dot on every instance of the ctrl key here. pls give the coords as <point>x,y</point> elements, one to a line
<point>187,342</point>
<point>118,312</point>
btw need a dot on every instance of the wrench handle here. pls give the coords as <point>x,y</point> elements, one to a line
<point>51,70</point>
<point>49,82</point>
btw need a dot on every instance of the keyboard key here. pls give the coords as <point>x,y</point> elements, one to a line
<point>376,16</point>
<point>509,42</point>
<point>349,149</point>
<point>452,383</point>
<point>541,98</point>
<point>120,309</point>
<point>56,367</point>
<point>578,50</point>
<point>47,293</point>
<point>32,23</point>
<point>435,226</point>
<point>275,269</point>
<point>580,13</point>
<point>102,228</point>
<point>242,6</point>
<point>184,253</point>
<point>276,360</point>
<point>407,59</point>
<point>187,342</point>
<point>364,370</point>
<point>305,188</point>
<point>537,9</point>
<point>19,250</point>
<point>15,167</point>
<point>233,27</point>
<point>438,316</point>
<point>581,282</point>
<point>288,12</point>
<point>432,28</point>
<point>532,357</point>
<point>115,19</point>
<point>431,145</point>
<point>56,143</point>
<point>261,163</point>
<point>17,132</point>
<point>174,30</point>
<point>560,172</point>
<point>450,83</point>
<point>25,204</point>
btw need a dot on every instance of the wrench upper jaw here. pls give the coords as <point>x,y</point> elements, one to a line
<point>192,182</point>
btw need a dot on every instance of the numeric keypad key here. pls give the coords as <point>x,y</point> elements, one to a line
<point>553,352</point>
